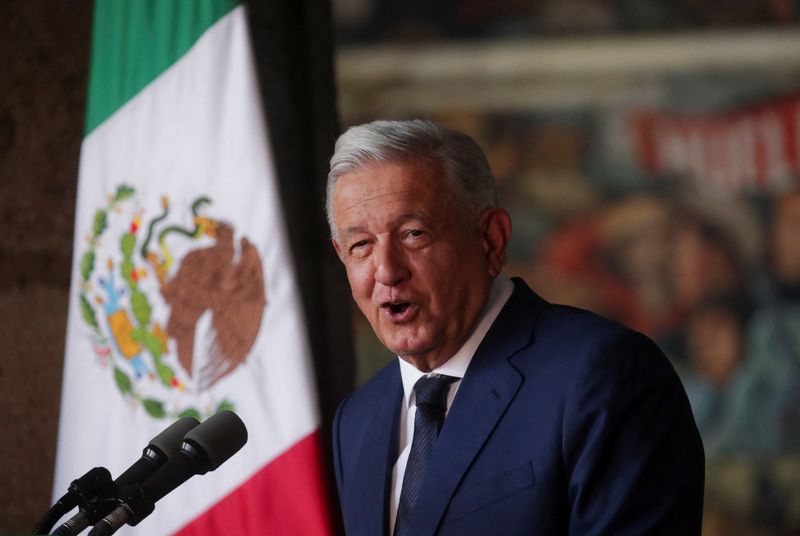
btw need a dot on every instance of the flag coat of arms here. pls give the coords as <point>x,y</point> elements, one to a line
<point>183,297</point>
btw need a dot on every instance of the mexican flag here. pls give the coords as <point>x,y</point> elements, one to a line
<point>184,300</point>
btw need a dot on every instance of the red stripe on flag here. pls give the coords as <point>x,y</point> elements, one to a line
<point>286,497</point>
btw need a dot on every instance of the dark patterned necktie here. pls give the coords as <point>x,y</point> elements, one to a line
<point>431,395</point>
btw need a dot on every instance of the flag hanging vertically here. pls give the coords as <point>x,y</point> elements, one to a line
<point>183,297</point>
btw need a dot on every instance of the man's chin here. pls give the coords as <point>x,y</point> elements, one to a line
<point>424,358</point>
<point>419,362</point>
<point>409,352</point>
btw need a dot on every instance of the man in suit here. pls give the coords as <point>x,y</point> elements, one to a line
<point>544,419</point>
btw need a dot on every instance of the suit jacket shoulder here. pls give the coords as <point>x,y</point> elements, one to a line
<point>594,412</point>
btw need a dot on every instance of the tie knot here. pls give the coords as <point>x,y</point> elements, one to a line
<point>432,390</point>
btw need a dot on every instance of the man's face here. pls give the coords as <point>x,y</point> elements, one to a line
<point>419,268</point>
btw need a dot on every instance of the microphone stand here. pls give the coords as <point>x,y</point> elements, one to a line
<point>137,501</point>
<point>90,512</point>
<point>133,504</point>
<point>80,490</point>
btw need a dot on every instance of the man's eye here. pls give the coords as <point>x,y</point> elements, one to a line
<point>358,245</point>
<point>415,233</point>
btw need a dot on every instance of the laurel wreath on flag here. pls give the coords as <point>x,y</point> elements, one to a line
<point>133,328</point>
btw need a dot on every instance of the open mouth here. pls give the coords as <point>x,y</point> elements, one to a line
<point>397,308</point>
<point>399,312</point>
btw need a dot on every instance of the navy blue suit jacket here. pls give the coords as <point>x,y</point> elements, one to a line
<point>564,423</point>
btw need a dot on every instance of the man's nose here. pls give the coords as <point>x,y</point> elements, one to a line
<point>390,265</point>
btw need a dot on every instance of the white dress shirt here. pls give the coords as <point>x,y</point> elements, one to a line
<point>456,366</point>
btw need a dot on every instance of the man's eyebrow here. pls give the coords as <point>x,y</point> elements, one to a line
<point>352,230</point>
<point>411,216</point>
<point>356,229</point>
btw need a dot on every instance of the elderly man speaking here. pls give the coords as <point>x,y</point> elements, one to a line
<point>503,414</point>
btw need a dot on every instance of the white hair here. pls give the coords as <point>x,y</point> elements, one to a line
<point>457,154</point>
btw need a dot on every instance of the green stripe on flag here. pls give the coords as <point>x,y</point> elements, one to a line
<point>133,41</point>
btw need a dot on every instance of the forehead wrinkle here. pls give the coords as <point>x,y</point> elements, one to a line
<point>354,194</point>
<point>402,218</point>
<point>355,229</point>
<point>356,205</point>
<point>411,216</point>
<point>368,198</point>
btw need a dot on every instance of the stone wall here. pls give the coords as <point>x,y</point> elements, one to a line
<point>45,49</point>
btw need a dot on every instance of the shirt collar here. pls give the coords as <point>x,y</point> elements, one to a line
<point>501,289</point>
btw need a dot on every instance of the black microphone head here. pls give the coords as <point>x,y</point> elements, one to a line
<point>219,437</point>
<point>168,442</point>
<point>161,448</point>
<point>205,447</point>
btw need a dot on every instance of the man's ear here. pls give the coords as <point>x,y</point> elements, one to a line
<point>337,248</point>
<point>496,232</point>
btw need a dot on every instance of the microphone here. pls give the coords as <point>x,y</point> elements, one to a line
<point>204,448</point>
<point>162,447</point>
<point>102,500</point>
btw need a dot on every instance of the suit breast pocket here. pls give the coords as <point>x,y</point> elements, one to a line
<point>472,496</point>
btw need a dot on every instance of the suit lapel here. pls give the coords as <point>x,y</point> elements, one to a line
<point>375,461</point>
<point>487,389</point>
